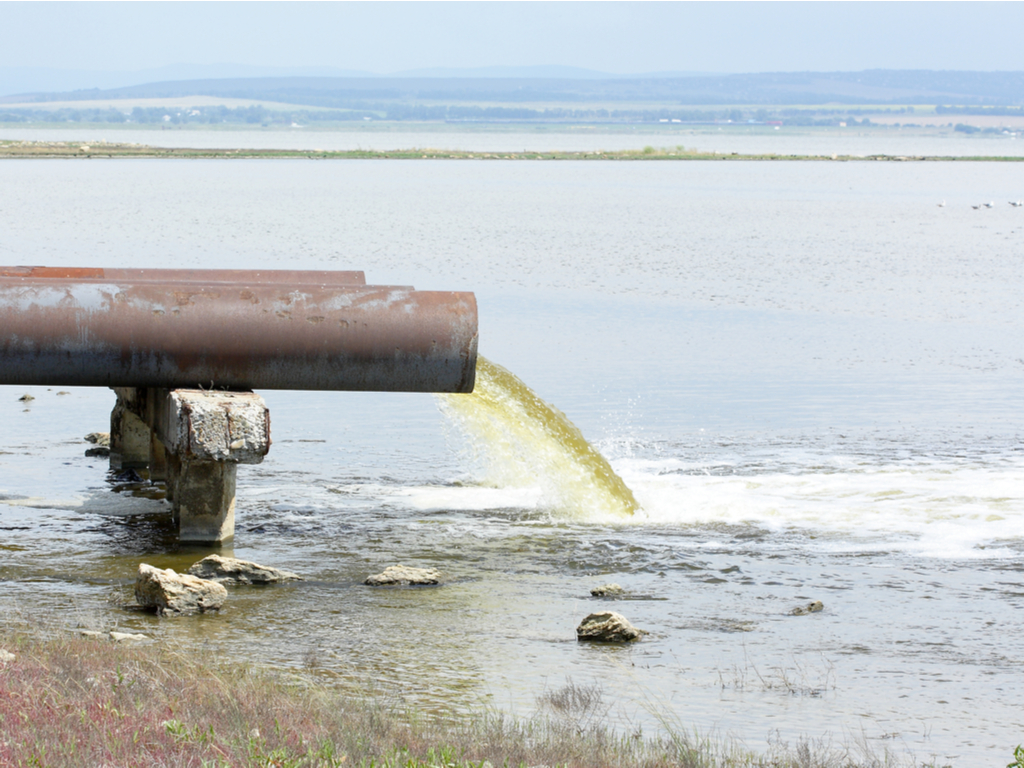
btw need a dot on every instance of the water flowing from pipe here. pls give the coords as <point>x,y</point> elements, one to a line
<point>522,441</point>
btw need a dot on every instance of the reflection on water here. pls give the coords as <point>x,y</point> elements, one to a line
<point>808,375</point>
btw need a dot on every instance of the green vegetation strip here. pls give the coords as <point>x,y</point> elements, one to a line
<point>67,149</point>
<point>69,700</point>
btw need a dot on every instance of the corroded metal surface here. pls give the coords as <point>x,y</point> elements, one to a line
<point>190,334</point>
<point>241,276</point>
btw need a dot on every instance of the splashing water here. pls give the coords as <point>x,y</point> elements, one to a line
<point>524,442</point>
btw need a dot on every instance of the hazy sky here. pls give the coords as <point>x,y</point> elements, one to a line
<point>615,37</point>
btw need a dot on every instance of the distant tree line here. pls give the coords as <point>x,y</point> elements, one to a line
<point>963,128</point>
<point>362,110</point>
<point>1001,111</point>
<point>254,115</point>
<point>259,115</point>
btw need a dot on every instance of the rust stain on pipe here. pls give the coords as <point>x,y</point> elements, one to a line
<point>272,276</point>
<point>59,331</point>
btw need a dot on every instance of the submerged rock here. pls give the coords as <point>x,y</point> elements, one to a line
<point>607,627</point>
<point>608,590</point>
<point>803,610</point>
<point>171,593</point>
<point>97,450</point>
<point>402,574</point>
<point>231,571</point>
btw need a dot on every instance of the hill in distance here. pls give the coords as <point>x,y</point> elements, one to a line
<point>573,86</point>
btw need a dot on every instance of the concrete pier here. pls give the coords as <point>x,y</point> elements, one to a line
<point>193,440</point>
<point>183,348</point>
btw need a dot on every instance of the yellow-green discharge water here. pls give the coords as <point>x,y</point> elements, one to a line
<point>524,442</point>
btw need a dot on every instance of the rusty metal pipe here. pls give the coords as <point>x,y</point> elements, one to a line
<point>246,276</point>
<point>61,332</point>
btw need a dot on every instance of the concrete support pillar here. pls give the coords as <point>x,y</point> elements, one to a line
<point>173,473</point>
<point>204,501</point>
<point>157,459</point>
<point>194,441</point>
<point>129,438</point>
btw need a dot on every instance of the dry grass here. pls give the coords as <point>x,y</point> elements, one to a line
<point>72,701</point>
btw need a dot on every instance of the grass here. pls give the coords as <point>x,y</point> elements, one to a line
<point>66,700</point>
<point>84,150</point>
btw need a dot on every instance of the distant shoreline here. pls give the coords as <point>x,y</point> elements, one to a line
<point>89,150</point>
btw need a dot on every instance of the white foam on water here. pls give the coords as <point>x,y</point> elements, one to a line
<point>932,510</point>
<point>466,498</point>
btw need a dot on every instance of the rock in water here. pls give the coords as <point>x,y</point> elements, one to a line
<point>122,637</point>
<point>607,627</point>
<point>178,594</point>
<point>231,571</point>
<point>803,610</point>
<point>401,574</point>
<point>98,438</point>
<point>607,590</point>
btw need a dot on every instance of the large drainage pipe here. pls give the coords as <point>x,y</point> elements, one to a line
<point>241,334</point>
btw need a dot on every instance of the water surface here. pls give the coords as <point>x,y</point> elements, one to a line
<point>809,375</point>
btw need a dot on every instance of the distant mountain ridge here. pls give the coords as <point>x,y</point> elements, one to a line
<point>36,80</point>
<point>357,90</point>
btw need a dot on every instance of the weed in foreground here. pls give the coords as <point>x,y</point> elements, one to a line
<point>68,701</point>
<point>578,707</point>
<point>801,680</point>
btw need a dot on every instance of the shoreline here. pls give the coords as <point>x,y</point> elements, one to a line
<point>40,150</point>
<point>74,698</point>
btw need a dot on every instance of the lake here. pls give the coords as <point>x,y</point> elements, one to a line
<point>809,374</point>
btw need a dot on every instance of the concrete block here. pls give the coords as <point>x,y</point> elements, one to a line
<point>216,426</point>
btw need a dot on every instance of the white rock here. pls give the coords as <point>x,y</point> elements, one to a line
<point>607,627</point>
<point>98,438</point>
<point>121,637</point>
<point>6,656</point>
<point>803,610</point>
<point>607,590</point>
<point>232,571</point>
<point>402,574</point>
<point>172,593</point>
